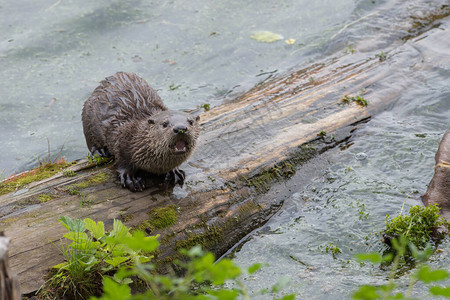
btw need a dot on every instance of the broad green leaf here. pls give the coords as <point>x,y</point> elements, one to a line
<point>288,297</point>
<point>97,228</point>
<point>421,255</point>
<point>92,261</point>
<point>374,257</point>
<point>440,291</point>
<point>119,280</point>
<point>77,237</point>
<point>223,294</point>
<point>139,241</point>
<point>75,225</point>
<point>253,268</point>
<point>114,291</point>
<point>223,270</point>
<point>86,246</point>
<point>281,283</point>
<point>266,36</point>
<point>143,259</point>
<point>117,260</point>
<point>426,275</point>
<point>61,266</point>
<point>366,292</point>
<point>195,251</point>
<point>119,230</point>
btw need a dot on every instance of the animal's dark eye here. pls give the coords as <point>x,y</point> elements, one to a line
<point>191,122</point>
<point>165,124</point>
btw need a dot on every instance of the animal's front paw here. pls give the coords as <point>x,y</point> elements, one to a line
<point>176,176</point>
<point>130,181</point>
<point>102,152</point>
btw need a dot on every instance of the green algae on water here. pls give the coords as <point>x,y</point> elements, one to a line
<point>266,36</point>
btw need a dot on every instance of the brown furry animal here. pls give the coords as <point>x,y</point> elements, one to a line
<point>439,187</point>
<point>126,118</point>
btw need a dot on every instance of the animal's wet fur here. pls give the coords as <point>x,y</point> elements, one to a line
<point>126,118</point>
<point>439,188</point>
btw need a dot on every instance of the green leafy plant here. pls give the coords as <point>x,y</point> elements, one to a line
<point>118,263</point>
<point>381,56</point>
<point>90,254</point>
<point>202,278</point>
<point>205,106</point>
<point>359,99</point>
<point>419,226</point>
<point>422,273</point>
<point>98,160</point>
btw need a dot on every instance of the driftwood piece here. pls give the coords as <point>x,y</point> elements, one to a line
<point>9,283</point>
<point>260,137</point>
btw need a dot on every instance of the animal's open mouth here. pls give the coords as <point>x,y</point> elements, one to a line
<point>180,146</point>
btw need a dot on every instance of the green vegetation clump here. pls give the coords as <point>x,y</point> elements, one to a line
<point>360,100</point>
<point>74,189</point>
<point>91,254</point>
<point>322,133</point>
<point>44,198</point>
<point>282,169</point>
<point>69,173</point>
<point>205,106</point>
<point>418,226</point>
<point>98,160</point>
<point>381,56</point>
<point>113,262</point>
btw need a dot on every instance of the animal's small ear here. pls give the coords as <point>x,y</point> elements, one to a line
<point>151,121</point>
<point>197,119</point>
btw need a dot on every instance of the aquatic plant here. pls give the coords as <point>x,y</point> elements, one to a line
<point>419,226</point>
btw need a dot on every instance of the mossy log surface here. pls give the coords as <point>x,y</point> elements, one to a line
<point>246,144</point>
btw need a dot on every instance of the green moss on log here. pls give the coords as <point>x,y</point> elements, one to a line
<point>19,181</point>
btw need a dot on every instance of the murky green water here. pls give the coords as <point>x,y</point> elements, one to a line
<point>54,53</point>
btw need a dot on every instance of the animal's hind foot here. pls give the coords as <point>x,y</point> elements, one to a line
<point>130,181</point>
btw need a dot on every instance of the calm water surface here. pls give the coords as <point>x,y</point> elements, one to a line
<point>54,53</point>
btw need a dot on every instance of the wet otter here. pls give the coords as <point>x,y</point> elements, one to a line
<point>124,117</point>
<point>439,188</point>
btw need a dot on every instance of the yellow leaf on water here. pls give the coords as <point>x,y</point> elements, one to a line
<point>266,36</point>
<point>290,41</point>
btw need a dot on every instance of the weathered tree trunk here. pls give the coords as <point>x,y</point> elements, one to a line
<point>9,283</point>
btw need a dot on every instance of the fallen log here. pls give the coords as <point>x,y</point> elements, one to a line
<point>260,137</point>
<point>9,283</point>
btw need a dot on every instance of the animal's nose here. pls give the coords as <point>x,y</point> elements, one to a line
<point>180,129</point>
